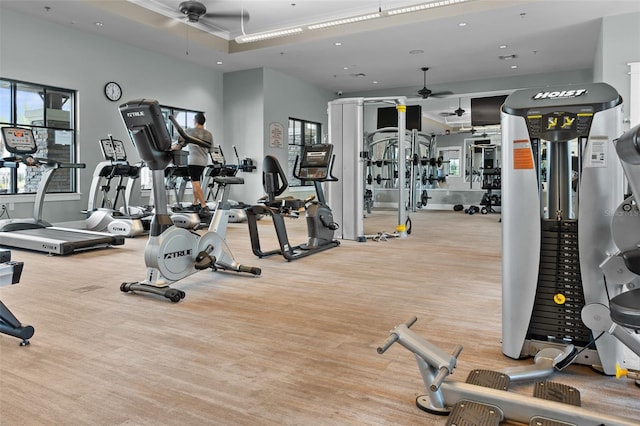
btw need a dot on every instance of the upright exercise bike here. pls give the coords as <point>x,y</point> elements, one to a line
<point>315,166</point>
<point>173,253</point>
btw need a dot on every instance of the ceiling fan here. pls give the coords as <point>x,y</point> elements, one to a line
<point>426,93</point>
<point>194,10</point>
<point>459,112</point>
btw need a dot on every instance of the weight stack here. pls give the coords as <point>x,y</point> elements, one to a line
<point>559,296</point>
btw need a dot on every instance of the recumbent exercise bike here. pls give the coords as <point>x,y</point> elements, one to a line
<point>316,163</point>
<point>173,253</point>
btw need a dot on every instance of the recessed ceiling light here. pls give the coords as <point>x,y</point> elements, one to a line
<point>338,43</point>
<point>219,62</point>
<point>503,46</point>
<point>462,24</point>
<point>99,24</point>
<point>345,68</point>
<point>375,81</point>
<point>513,67</point>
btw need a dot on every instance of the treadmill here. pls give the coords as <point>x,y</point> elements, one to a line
<point>35,233</point>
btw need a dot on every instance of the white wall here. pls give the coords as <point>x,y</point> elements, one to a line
<point>253,100</point>
<point>41,52</point>
<point>244,122</point>
<point>619,45</point>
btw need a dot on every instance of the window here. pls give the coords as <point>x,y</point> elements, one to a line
<point>301,132</point>
<point>50,113</point>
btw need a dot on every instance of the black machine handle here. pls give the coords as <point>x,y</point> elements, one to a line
<point>394,337</point>
<point>188,138</point>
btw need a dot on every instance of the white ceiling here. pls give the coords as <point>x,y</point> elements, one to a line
<point>546,36</point>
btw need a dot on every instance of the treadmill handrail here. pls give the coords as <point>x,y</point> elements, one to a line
<point>59,165</point>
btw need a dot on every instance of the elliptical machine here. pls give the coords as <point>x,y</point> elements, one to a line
<point>173,253</point>
<point>315,166</point>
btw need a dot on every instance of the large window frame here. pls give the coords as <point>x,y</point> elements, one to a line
<point>50,112</point>
<point>300,133</point>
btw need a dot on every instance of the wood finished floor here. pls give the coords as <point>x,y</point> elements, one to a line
<point>296,346</point>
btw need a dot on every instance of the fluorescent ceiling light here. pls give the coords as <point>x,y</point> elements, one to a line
<point>267,35</point>
<point>423,6</point>
<point>344,21</point>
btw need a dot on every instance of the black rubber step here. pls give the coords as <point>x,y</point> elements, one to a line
<point>488,379</point>
<point>558,392</point>
<point>469,413</point>
<point>542,421</point>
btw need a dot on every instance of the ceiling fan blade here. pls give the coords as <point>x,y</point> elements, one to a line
<point>227,15</point>
<point>441,94</point>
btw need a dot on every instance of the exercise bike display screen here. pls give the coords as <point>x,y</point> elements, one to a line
<point>315,161</point>
<point>18,140</point>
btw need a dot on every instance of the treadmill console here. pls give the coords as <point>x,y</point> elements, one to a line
<point>18,140</point>
<point>113,150</point>
<point>216,155</point>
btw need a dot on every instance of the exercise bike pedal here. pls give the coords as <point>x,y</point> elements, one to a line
<point>558,392</point>
<point>470,413</point>
<point>204,261</point>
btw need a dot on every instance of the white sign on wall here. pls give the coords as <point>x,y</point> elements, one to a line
<point>276,135</point>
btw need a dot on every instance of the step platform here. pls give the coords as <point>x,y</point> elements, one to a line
<point>558,392</point>
<point>488,379</point>
<point>543,421</point>
<point>470,413</point>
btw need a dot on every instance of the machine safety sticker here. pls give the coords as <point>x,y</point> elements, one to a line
<point>597,152</point>
<point>522,155</point>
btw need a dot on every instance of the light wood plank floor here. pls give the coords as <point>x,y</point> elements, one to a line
<point>296,346</point>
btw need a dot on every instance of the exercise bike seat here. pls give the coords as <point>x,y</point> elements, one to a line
<point>283,203</point>
<point>625,309</point>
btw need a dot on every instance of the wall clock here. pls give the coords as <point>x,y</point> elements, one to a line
<point>113,91</point>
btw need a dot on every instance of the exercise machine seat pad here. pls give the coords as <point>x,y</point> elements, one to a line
<point>632,260</point>
<point>283,203</point>
<point>625,309</point>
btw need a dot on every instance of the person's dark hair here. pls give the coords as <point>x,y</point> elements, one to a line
<point>199,118</point>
